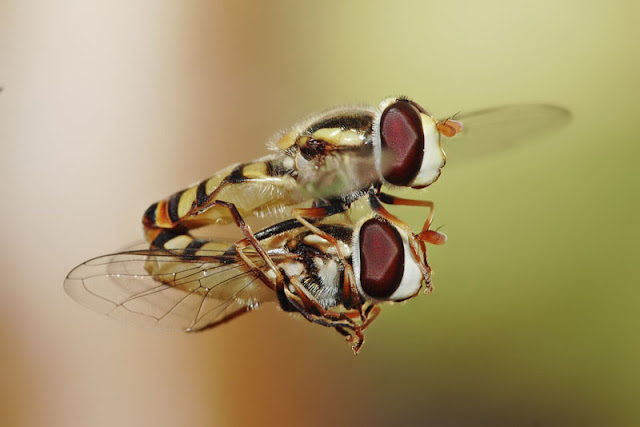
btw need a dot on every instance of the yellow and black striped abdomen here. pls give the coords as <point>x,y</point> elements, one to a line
<point>261,187</point>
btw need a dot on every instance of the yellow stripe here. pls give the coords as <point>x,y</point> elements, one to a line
<point>255,170</point>
<point>214,182</point>
<point>179,242</point>
<point>338,137</point>
<point>287,140</point>
<point>186,200</point>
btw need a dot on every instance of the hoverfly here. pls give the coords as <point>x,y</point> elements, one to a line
<point>334,274</point>
<point>322,268</point>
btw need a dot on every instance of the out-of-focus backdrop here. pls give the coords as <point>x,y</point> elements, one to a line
<point>109,106</point>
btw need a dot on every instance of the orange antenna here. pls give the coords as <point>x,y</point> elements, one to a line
<point>449,127</point>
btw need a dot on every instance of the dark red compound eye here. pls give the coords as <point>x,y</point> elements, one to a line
<point>381,258</point>
<point>401,134</point>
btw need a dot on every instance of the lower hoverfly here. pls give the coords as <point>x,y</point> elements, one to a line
<point>333,274</point>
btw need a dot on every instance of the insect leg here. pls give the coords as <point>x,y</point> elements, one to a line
<point>427,235</point>
<point>314,312</point>
<point>250,240</point>
<point>372,314</point>
<point>179,235</point>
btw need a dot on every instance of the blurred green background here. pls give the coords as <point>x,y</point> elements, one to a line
<point>109,106</point>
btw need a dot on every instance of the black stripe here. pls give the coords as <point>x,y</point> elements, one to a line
<point>278,228</point>
<point>271,168</point>
<point>196,244</point>
<point>331,206</point>
<point>150,214</point>
<point>201,193</point>
<point>292,224</point>
<point>275,168</point>
<point>173,206</point>
<point>374,202</point>
<point>356,121</point>
<point>386,198</point>
<point>193,247</point>
<point>236,175</point>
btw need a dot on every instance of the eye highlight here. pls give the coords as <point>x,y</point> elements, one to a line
<point>402,135</point>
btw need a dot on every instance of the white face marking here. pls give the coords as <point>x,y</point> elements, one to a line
<point>411,276</point>
<point>434,158</point>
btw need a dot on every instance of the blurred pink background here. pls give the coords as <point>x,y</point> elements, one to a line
<point>109,106</point>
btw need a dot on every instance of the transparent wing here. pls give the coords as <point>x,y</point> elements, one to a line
<point>496,129</point>
<point>177,289</point>
<point>340,173</point>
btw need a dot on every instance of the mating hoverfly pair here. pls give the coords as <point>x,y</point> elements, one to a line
<point>314,258</point>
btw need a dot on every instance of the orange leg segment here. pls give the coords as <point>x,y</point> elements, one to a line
<point>307,305</point>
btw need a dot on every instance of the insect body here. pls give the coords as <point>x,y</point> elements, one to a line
<point>334,275</point>
<point>333,272</point>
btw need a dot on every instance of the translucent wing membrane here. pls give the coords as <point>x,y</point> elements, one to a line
<point>342,172</point>
<point>177,289</point>
<point>497,129</point>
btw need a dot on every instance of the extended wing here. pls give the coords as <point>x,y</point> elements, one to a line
<point>500,128</point>
<point>341,173</point>
<point>177,290</point>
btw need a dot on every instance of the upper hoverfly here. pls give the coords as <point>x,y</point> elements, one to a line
<point>320,168</point>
